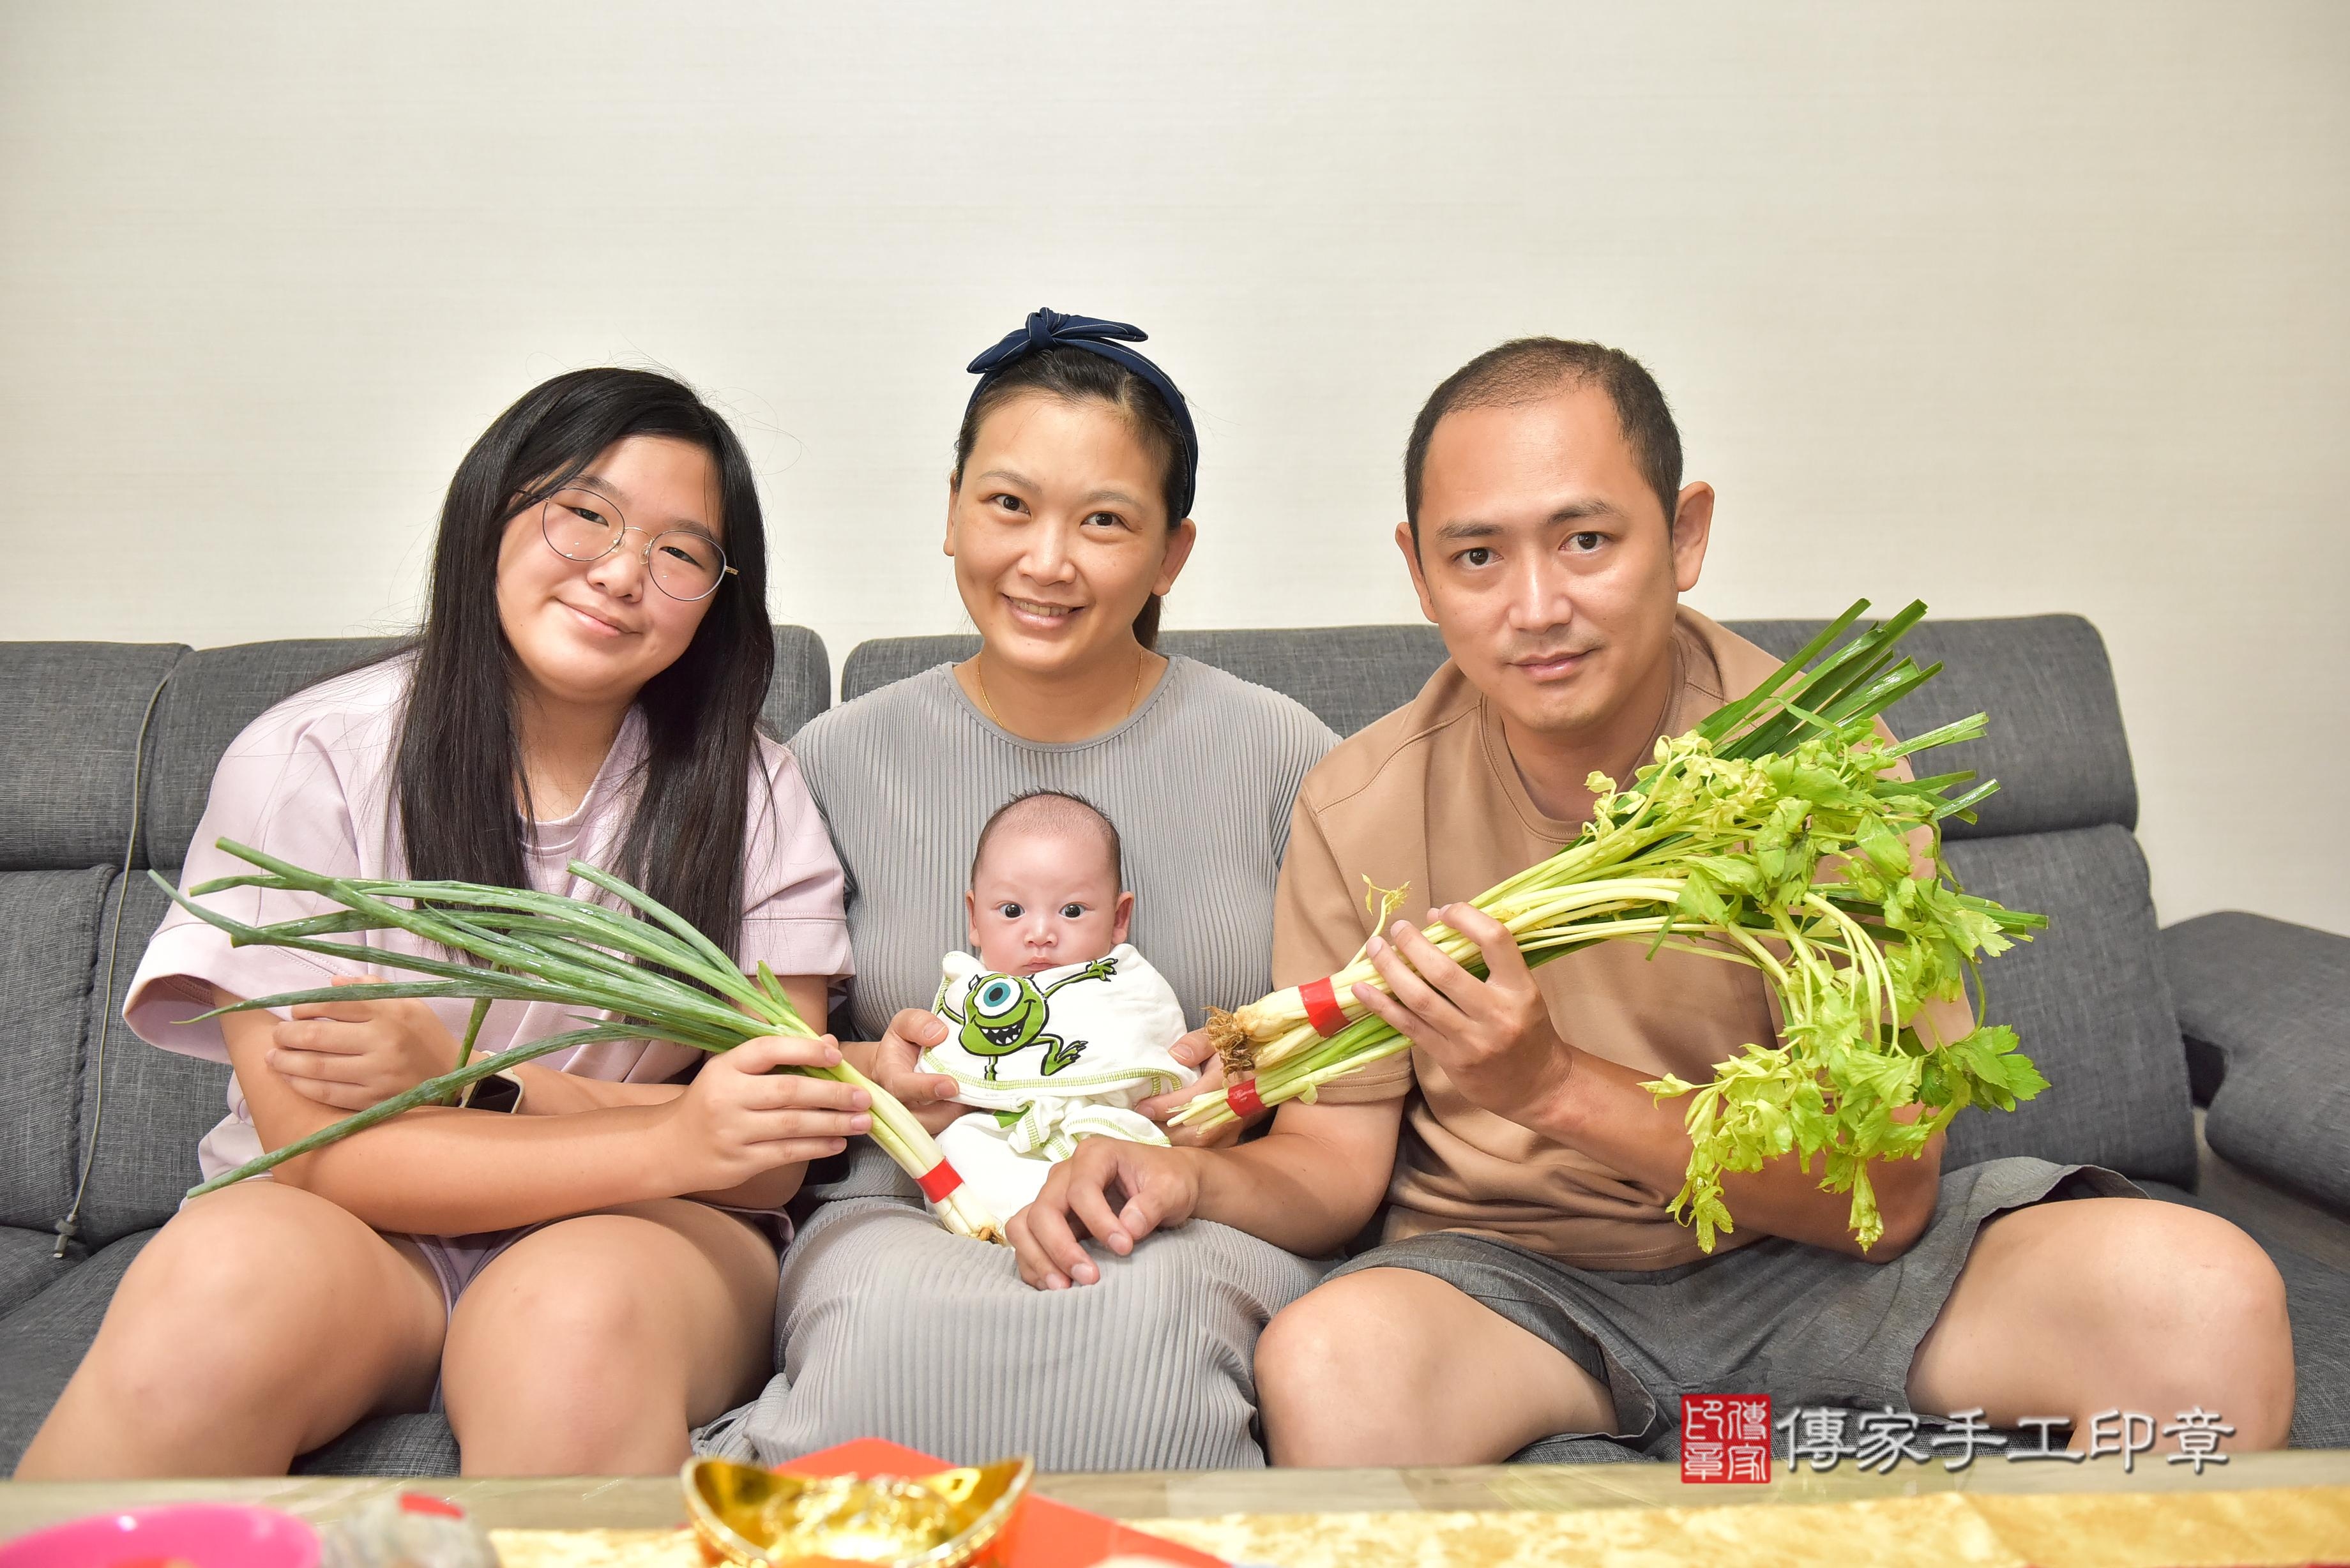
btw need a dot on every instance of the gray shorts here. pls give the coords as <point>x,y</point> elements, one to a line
<point>1805,1326</point>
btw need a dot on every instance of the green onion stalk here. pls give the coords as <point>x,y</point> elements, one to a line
<point>1775,835</point>
<point>658,978</point>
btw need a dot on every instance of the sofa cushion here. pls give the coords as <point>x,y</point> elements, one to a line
<point>2265,1007</point>
<point>2056,741</point>
<point>50,923</point>
<point>417,1445</point>
<point>154,1105</point>
<point>29,1264</point>
<point>44,1339</point>
<point>69,719</point>
<point>2087,998</point>
<point>213,695</point>
<point>802,685</point>
<point>1345,676</point>
<point>1581,1450</point>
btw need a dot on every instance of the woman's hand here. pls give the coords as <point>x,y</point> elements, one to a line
<point>1155,1188</point>
<point>894,1062</point>
<point>353,1055</point>
<point>1193,1050</point>
<point>742,1117</point>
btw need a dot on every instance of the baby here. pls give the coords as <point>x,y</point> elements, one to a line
<point>1058,1026</point>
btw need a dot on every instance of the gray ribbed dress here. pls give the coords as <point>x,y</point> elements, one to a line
<point>888,1325</point>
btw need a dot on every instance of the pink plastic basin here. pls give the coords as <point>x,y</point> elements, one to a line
<point>207,1534</point>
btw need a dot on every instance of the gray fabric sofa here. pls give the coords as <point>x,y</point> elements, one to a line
<point>2137,1027</point>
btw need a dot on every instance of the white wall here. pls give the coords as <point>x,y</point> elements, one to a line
<point>2013,307</point>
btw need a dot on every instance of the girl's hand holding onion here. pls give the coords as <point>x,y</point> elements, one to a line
<point>353,1055</point>
<point>741,1117</point>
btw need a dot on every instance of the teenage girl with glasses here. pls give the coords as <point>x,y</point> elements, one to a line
<point>581,1274</point>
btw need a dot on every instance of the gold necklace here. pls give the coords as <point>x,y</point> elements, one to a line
<point>979,678</point>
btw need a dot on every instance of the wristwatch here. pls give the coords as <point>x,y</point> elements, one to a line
<point>498,1092</point>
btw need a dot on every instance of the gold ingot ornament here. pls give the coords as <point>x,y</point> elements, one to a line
<point>764,1519</point>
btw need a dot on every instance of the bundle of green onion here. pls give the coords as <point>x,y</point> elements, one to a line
<point>1772,834</point>
<point>659,978</point>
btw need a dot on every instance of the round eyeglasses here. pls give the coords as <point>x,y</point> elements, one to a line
<point>683,563</point>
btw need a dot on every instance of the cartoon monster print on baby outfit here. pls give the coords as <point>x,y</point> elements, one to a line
<point>1047,1060</point>
<point>1006,1014</point>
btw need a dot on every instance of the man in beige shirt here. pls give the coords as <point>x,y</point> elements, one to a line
<point>1530,1282</point>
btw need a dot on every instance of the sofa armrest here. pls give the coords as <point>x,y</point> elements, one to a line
<point>2264,1008</point>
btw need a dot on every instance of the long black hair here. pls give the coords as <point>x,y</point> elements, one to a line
<point>1075,375</point>
<point>458,768</point>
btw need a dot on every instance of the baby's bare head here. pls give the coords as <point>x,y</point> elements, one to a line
<point>1046,886</point>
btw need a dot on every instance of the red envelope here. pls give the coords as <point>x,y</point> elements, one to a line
<point>1043,1534</point>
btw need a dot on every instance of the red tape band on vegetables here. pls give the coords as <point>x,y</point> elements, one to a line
<point>1244,1099</point>
<point>938,1182</point>
<point>1321,1007</point>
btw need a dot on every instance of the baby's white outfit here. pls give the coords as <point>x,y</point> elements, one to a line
<point>1049,1059</point>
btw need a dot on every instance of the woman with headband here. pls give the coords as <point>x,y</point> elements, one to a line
<point>1068,518</point>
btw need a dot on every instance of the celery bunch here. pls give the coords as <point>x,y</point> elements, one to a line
<point>1773,835</point>
<point>659,977</point>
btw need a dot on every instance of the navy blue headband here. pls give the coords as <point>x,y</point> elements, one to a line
<point>1051,329</point>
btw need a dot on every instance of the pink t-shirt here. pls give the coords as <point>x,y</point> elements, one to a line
<point>309,782</point>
